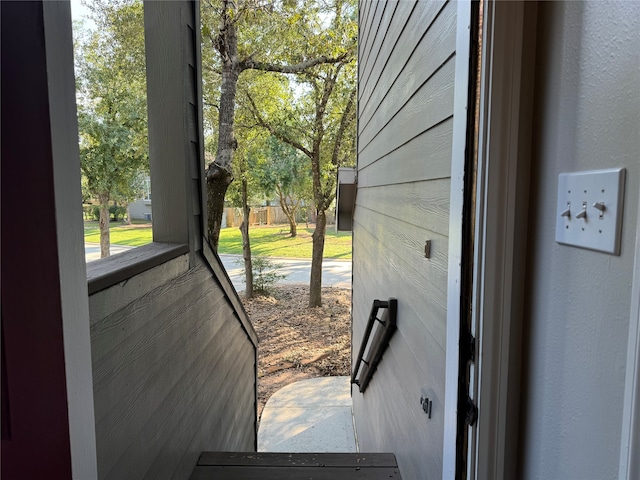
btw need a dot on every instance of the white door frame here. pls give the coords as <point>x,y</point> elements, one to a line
<point>506,97</point>
<point>630,441</point>
<point>456,204</point>
<point>504,146</point>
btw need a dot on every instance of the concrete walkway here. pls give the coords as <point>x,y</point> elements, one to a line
<point>335,273</point>
<point>312,416</point>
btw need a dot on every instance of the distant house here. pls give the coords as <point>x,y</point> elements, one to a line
<point>140,209</point>
<point>515,356</point>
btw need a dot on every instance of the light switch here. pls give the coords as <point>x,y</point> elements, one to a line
<point>589,209</point>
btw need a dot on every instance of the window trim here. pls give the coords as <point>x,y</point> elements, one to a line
<point>106,272</point>
<point>147,190</point>
<point>170,148</point>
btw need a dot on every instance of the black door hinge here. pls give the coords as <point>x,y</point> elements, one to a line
<point>472,412</point>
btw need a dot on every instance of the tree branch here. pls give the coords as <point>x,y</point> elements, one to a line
<point>344,121</point>
<point>250,63</point>
<point>321,107</point>
<point>279,135</point>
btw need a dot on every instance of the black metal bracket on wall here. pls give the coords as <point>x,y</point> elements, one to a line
<point>378,343</point>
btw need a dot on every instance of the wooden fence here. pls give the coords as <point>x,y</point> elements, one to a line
<point>272,215</point>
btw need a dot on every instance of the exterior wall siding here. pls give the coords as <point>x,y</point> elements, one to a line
<point>405,117</point>
<point>174,373</point>
<point>173,353</point>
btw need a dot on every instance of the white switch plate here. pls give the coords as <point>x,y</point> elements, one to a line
<point>578,192</point>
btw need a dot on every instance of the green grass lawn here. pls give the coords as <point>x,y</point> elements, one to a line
<point>134,235</point>
<point>274,241</point>
<point>271,241</point>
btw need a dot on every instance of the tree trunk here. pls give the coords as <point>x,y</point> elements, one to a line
<point>104,226</point>
<point>315,284</point>
<point>293,227</point>
<point>289,210</point>
<point>291,217</point>
<point>218,180</point>
<point>219,174</point>
<point>128,220</point>
<point>246,245</point>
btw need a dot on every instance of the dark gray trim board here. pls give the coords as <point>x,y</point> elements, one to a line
<point>296,466</point>
<point>213,261</point>
<point>107,272</point>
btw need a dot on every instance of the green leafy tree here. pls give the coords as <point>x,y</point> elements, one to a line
<point>246,155</point>
<point>321,125</point>
<point>324,131</point>
<point>286,173</point>
<point>112,109</point>
<point>287,37</point>
<point>242,194</point>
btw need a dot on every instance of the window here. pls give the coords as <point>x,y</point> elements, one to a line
<point>109,51</point>
<point>176,166</point>
<point>147,189</point>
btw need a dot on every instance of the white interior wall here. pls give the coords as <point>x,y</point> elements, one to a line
<point>587,116</point>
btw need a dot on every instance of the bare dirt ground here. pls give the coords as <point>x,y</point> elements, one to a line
<point>297,342</point>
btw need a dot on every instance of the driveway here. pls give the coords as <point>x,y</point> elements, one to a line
<point>335,273</point>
